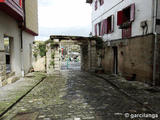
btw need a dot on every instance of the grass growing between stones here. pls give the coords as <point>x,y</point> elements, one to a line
<point>18,90</point>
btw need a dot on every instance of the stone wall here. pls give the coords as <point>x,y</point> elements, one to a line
<point>2,68</point>
<point>84,58</point>
<point>39,64</point>
<point>52,59</point>
<point>157,81</point>
<point>93,55</point>
<point>135,58</point>
<point>89,56</point>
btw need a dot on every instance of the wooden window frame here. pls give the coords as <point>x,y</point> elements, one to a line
<point>120,14</point>
<point>101,2</point>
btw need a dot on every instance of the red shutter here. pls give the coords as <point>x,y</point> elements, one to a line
<point>105,21</point>
<point>102,2</point>
<point>20,3</point>
<point>103,27</point>
<point>95,27</point>
<point>112,23</point>
<point>101,32</point>
<point>132,13</point>
<point>119,17</point>
<point>96,5</point>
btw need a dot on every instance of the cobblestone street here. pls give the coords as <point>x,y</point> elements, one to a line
<point>74,95</point>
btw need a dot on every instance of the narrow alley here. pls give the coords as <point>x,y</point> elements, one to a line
<point>74,95</point>
<point>79,59</point>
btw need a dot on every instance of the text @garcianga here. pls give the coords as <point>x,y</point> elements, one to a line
<point>142,115</point>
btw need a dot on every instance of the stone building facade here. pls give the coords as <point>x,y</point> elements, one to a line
<point>130,31</point>
<point>19,31</point>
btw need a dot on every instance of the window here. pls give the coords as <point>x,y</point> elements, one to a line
<point>101,2</point>
<point>126,15</point>
<point>110,24</point>
<point>99,29</point>
<point>125,19</point>
<point>96,6</point>
<point>95,29</point>
<point>105,27</point>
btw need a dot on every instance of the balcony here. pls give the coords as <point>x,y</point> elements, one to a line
<point>13,8</point>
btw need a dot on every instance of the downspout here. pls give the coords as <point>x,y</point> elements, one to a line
<point>22,67</point>
<point>21,32</point>
<point>155,6</point>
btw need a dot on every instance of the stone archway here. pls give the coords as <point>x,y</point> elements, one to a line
<point>88,52</point>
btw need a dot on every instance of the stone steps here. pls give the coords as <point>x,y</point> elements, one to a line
<point>12,79</point>
<point>10,75</point>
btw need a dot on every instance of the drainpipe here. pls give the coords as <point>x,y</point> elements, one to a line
<point>155,6</point>
<point>22,67</point>
<point>21,35</point>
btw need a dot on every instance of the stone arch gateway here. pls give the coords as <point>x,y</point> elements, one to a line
<point>88,52</point>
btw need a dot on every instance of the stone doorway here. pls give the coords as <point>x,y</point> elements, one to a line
<point>87,51</point>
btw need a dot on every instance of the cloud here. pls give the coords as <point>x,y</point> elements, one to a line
<point>71,31</point>
<point>69,17</point>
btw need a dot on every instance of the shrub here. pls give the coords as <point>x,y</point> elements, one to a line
<point>42,49</point>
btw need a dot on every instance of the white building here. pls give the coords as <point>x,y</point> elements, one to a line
<point>130,30</point>
<point>18,28</point>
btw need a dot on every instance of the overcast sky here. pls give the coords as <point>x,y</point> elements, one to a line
<point>63,17</point>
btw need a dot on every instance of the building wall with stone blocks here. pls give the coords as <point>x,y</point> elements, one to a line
<point>85,57</point>
<point>157,81</point>
<point>135,58</point>
<point>2,68</point>
<point>93,56</point>
<point>52,63</point>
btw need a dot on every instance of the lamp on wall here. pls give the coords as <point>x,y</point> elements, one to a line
<point>90,34</point>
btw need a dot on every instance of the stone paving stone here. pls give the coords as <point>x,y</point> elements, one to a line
<point>9,94</point>
<point>140,91</point>
<point>73,95</point>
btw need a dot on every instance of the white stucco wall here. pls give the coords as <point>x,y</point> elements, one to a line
<point>27,56</point>
<point>9,27</point>
<point>143,11</point>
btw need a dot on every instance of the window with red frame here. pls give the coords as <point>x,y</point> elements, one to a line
<point>126,15</point>
<point>99,29</point>
<point>101,2</point>
<point>96,5</point>
<point>108,25</point>
<point>125,18</point>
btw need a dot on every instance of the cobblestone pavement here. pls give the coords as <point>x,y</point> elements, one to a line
<point>71,65</point>
<point>11,93</point>
<point>147,95</point>
<point>74,95</point>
